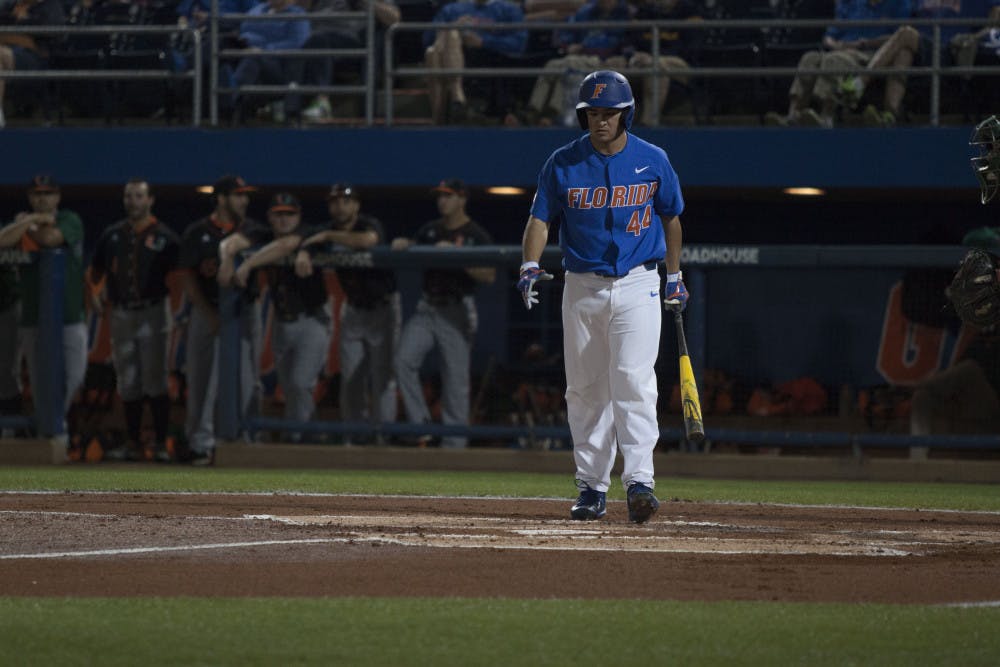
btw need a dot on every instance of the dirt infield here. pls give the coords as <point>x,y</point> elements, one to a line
<point>329,545</point>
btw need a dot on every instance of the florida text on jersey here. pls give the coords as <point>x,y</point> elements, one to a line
<point>610,207</point>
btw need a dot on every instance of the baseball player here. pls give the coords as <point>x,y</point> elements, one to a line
<point>617,200</point>
<point>446,314</point>
<point>371,314</point>
<point>132,261</point>
<point>201,261</point>
<point>975,292</point>
<point>966,395</point>
<point>48,226</point>
<point>302,322</point>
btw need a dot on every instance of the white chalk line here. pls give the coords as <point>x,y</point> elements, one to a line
<point>95,515</point>
<point>162,549</point>
<point>396,541</point>
<point>92,515</point>
<point>416,540</point>
<point>572,538</point>
<point>369,539</point>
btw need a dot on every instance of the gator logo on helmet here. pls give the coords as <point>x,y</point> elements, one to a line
<point>598,89</point>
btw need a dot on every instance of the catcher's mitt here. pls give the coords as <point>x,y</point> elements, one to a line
<point>974,291</point>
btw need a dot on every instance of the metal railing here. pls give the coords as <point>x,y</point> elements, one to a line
<point>48,418</point>
<point>218,54</point>
<point>698,261</point>
<point>193,75</point>
<point>935,71</point>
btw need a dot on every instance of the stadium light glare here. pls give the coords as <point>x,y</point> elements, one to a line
<point>505,190</point>
<point>805,192</point>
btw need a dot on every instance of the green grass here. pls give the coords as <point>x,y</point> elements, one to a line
<point>151,478</point>
<point>444,632</point>
<point>466,632</point>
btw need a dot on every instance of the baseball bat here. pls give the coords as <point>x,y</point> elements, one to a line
<point>694,427</point>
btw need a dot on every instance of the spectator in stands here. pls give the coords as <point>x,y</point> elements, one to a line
<point>259,37</point>
<point>446,315</point>
<point>195,13</point>
<point>342,34</point>
<point>26,51</point>
<point>845,47</point>
<point>966,41</point>
<point>958,45</point>
<point>953,37</point>
<point>551,10</point>
<point>675,45</point>
<point>452,49</point>
<point>583,52</point>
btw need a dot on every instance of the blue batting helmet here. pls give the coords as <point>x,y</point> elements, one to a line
<point>605,89</point>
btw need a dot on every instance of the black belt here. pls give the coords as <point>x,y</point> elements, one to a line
<point>649,266</point>
<point>142,304</point>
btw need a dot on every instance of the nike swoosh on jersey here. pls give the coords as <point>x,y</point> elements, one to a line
<point>639,170</point>
<point>654,294</point>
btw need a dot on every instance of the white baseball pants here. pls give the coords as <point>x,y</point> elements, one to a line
<point>140,349</point>
<point>611,338</point>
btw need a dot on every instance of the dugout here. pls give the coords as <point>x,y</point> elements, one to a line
<point>886,190</point>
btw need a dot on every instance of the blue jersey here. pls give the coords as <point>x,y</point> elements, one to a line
<point>864,10</point>
<point>506,42</point>
<point>279,33</point>
<point>609,207</point>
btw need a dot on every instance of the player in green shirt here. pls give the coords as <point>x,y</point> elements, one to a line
<point>47,226</point>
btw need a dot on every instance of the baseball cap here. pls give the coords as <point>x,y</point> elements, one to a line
<point>342,190</point>
<point>284,201</point>
<point>229,184</point>
<point>43,183</point>
<point>451,186</point>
